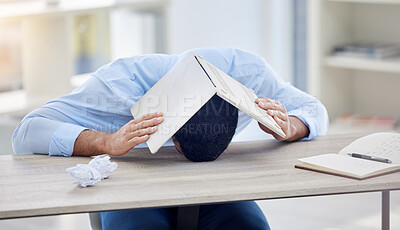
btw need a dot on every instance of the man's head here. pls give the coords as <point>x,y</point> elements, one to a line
<point>208,133</point>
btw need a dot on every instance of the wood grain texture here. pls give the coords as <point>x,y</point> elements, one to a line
<point>34,185</point>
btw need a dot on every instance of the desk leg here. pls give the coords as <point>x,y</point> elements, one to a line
<point>187,218</point>
<point>385,210</point>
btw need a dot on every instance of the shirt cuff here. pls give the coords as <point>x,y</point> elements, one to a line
<point>63,140</point>
<point>308,121</point>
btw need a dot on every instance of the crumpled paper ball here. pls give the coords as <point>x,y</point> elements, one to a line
<point>98,168</point>
<point>103,165</point>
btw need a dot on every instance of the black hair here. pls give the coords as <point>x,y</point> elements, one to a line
<point>208,133</point>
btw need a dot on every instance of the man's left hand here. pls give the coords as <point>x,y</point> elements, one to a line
<point>293,127</point>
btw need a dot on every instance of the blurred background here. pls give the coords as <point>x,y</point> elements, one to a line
<point>344,52</point>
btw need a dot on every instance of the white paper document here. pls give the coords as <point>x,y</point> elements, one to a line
<point>185,88</point>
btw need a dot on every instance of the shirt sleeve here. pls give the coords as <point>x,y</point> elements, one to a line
<point>297,103</point>
<point>45,136</point>
<point>53,128</point>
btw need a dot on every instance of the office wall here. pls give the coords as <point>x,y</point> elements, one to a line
<point>277,36</point>
<point>260,26</point>
<point>221,23</point>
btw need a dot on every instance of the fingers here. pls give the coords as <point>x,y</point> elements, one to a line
<point>276,113</point>
<point>263,100</point>
<point>145,117</point>
<point>269,104</point>
<point>145,131</point>
<point>147,123</point>
<point>138,140</point>
<point>280,122</point>
<point>143,128</point>
<point>148,120</point>
<point>134,133</point>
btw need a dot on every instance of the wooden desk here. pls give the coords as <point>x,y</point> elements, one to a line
<point>35,185</point>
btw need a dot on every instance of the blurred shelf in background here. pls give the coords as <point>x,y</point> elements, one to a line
<point>390,65</point>
<point>369,1</point>
<point>61,39</point>
<point>364,86</point>
<point>350,123</point>
<point>22,9</point>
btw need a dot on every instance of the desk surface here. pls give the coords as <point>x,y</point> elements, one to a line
<point>34,185</point>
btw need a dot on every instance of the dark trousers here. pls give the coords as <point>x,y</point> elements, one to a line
<point>240,215</point>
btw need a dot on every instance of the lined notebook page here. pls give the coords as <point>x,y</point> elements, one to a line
<point>384,144</point>
<point>341,163</point>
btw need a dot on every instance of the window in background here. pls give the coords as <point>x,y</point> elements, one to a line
<point>91,42</point>
<point>300,44</point>
<point>102,37</point>
<point>136,32</point>
<point>278,36</point>
<point>10,57</point>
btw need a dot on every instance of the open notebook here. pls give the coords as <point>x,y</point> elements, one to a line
<point>185,88</point>
<point>384,145</point>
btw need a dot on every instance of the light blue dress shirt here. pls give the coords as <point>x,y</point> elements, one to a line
<point>102,103</point>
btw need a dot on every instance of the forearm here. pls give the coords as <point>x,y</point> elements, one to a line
<point>137,131</point>
<point>91,143</point>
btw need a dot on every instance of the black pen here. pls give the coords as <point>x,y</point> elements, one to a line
<point>372,158</point>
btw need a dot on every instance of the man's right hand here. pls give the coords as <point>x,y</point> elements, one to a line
<point>135,132</point>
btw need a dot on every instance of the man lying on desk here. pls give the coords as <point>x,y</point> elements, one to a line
<point>95,119</point>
